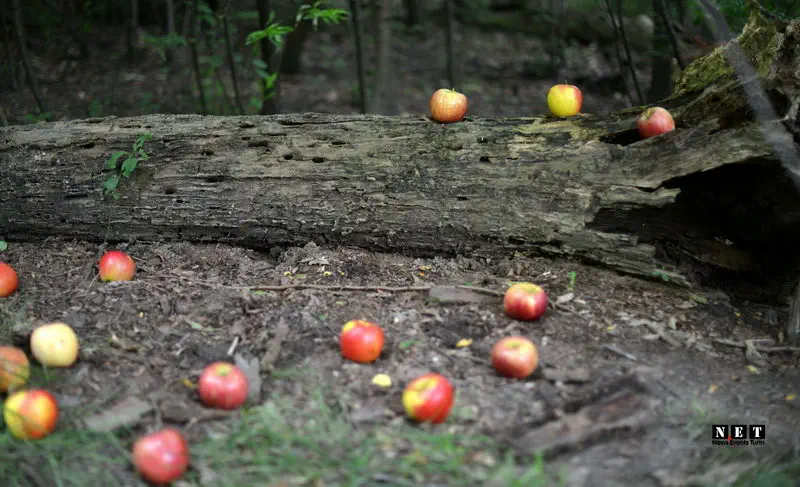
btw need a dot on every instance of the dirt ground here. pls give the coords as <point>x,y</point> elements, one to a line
<point>632,372</point>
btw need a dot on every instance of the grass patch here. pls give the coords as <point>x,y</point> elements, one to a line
<point>297,441</point>
<point>317,445</point>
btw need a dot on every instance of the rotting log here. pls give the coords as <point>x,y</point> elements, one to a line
<point>709,198</point>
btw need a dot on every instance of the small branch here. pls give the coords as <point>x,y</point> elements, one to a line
<point>618,52</point>
<point>231,63</point>
<point>355,9</point>
<point>735,344</point>
<point>661,9</point>
<point>196,59</point>
<point>26,63</point>
<point>322,287</point>
<point>449,35</point>
<point>628,53</point>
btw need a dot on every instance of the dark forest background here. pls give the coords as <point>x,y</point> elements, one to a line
<point>66,59</point>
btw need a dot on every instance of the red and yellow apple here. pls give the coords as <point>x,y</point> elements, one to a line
<point>8,280</point>
<point>654,121</point>
<point>525,301</point>
<point>31,414</point>
<point>429,398</point>
<point>448,106</point>
<point>515,356</point>
<point>223,385</point>
<point>14,368</point>
<point>361,341</point>
<point>116,265</point>
<point>564,100</point>
<point>161,457</point>
<point>55,345</point>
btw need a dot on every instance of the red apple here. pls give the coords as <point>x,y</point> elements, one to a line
<point>14,368</point>
<point>31,414</point>
<point>223,386</point>
<point>654,121</point>
<point>361,341</point>
<point>525,301</point>
<point>55,345</point>
<point>515,356</point>
<point>8,280</point>
<point>428,398</point>
<point>448,106</point>
<point>161,457</point>
<point>564,100</point>
<point>116,265</point>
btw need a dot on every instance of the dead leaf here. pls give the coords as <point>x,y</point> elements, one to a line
<point>252,371</point>
<point>565,298</point>
<point>124,413</point>
<point>274,346</point>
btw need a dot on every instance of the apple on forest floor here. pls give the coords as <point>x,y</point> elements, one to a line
<point>361,341</point>
<point>428,398</point>
<point>14,368</point>
<point>515,356</point>
<point>31,414</point>
<point>447,106</point>
<point>564,100</point>
<point>654,121</point>
<point>116,265</point>
<point>161,457</point>
<point>223,385</point>
<point>8,280</point>
<point>55,345</point>
<point>525,301</point>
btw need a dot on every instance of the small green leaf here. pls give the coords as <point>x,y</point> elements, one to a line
<point>406,344</point>
<point>3,245</point>
<point>111,183</point>
<point>195,325</point>
<point>112,161</point>
<point>129,166</point>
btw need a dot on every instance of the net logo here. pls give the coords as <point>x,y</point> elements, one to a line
<point>738,434</point>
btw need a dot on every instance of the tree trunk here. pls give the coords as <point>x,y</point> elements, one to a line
<point>709,200</point>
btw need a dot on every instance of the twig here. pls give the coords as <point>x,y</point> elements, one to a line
<point>450,50</point>
<point>628,53</point>
<point>621,353</point>
<point>23,52</point>
<point>322,287</point>
<point>618,52</point>
<point>355,8</point>
<point>661,333</point>
<point>661,8</point>
<point>482,290</point>
<point>196,59</point>
<point>231,63</point>
<point>732,343</point>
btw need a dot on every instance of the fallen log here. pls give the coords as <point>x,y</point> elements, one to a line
<point>709,199</point>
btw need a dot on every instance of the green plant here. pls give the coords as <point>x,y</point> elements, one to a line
<point>39,117</point>
<point>3,245</point>
<point>127,167</point>
<point>276,33</point>
<point>572,277</point>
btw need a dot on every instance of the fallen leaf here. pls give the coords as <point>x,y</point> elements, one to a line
<point>382,380</point>
<point>464,342</point>
<point>188,383</point>
<point>252,371</point>
<point>565,298</point>
<point>712,388</point>
<point>791,397</point>
<point>753,369</point>
<point>124,413</point>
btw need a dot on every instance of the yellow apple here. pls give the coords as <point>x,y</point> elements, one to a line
<point>55,345</point>
<point>564,100</point>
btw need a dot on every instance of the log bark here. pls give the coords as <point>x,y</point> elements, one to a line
<point>709,199</point>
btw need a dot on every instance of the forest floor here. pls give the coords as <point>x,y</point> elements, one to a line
<point>632,374</point>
